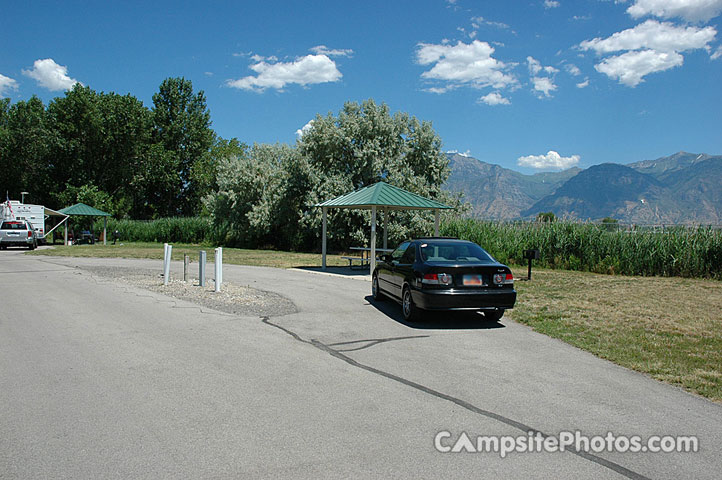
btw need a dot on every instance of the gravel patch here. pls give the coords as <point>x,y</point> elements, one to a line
<point>235,299</point>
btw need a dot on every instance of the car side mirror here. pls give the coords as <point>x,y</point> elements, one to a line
<point>386,258</point>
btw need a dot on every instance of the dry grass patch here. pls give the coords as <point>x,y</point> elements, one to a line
<point>669,328</point>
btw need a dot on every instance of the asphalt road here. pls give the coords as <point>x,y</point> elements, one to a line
<point>103,380</point>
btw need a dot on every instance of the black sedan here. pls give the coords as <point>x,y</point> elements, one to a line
<point>444,274</point>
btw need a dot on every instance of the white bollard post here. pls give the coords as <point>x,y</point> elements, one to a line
<point>202,268</point>
<point>218,267</point>
<point>166,267</point>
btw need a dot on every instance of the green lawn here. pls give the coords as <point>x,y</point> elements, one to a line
<point>236,256</point>
<point>669,328</point>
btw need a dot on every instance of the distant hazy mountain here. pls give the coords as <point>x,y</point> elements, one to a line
<point>682,188</point>
<point>497,192</point>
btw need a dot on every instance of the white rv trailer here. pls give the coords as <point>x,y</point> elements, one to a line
<point>35,214</point>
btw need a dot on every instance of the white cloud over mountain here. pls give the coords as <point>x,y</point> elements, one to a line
<point>552,160</point>
<point>50,75</point>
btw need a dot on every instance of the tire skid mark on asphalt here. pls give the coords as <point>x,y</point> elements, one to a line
<point>462,403</point>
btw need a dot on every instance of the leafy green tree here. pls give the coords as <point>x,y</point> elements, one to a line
<point>101,140</point>
<point>182,123</point>
<point>25,149</point>
<point>365,144</point>
<point>267,198</point>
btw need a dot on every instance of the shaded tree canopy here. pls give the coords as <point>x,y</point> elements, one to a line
<point>143,163</point>
<point>267,198</point>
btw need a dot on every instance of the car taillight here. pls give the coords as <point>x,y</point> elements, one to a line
<point>503,279</point>
<point>30,234</point>
<point>437,279</point>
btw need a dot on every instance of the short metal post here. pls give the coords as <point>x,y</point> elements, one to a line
<point>186,265</point>
<point>166,267</point>
<point>202,268</point>
<point>218,268</point>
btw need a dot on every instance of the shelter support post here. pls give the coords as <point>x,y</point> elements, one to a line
<point>105,230</point>
<point>372,260</point>
<point>437,215</point>
<point>386,232</point>
<point>323,241</point>
<point>65,233</point>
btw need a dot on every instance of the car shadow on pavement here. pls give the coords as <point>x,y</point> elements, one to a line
<point>435,320</point>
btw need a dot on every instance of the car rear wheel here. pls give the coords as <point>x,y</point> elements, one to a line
<point>409,309</point>
<point>375,292</point>
<point>493,315</point>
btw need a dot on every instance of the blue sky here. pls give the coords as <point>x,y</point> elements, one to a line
<point>508,82</point>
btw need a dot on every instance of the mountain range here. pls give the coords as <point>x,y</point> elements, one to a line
<point>681,188</point>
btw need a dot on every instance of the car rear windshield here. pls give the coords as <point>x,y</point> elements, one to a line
<point>454,252</point>
<point>13,226</point>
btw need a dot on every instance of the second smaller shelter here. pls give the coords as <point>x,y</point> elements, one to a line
<point>83,210</point>
<point>381,196</point>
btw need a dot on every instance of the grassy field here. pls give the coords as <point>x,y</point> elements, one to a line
<point>236,256</point>
<point>667,327</point>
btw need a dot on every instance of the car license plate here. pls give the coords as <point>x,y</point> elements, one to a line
<point>473,279</point>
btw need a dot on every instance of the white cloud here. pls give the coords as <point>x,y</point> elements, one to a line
<point>6,84</point>
<point>308,70</point>
<point>464,64</point>
<point>689,10</point>
<point>630,68</point>
<point>50,75</point>
<point>552,160</point>
<point>476,22</point>
<point>583,84</point>
<point>717,53</point>
<point>302,131</point>
<point>551,4</point>
<point>494,98</point>
<point>650,47</point>
<point>572,69</point>
<point>461,154</point>
<point>329,52</point>
<point>544,85</point>
<point>534,65</point>
<point>653,35</point>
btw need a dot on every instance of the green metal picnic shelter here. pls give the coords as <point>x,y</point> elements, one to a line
<point>384,197</point>
<point>83,210</point>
